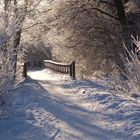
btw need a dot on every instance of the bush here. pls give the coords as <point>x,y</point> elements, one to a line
<point>129,81</point>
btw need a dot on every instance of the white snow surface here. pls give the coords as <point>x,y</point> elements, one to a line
<point>50,106</point>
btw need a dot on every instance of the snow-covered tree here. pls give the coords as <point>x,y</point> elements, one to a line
<point>12,17</point>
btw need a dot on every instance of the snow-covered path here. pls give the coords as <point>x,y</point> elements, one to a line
<point>54,108</point>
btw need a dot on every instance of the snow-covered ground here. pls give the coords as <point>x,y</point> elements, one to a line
<point>53,107</point>
<point>44,74</point>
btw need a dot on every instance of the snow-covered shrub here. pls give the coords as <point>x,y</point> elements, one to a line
<point>133,67</point>
<point>7,53</point>
<point>128,82</point>
<point>6,71</point>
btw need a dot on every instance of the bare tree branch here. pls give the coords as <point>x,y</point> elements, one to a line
<point>99,10</point>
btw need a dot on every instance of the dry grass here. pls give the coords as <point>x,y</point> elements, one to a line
<point>133,67</point>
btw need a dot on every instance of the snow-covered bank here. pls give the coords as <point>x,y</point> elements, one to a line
<point>121,114</point>
<point>58,108</point>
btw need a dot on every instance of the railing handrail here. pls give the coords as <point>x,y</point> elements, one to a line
<point>57,63</point>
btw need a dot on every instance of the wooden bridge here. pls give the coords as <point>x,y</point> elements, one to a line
<point>49,64</point>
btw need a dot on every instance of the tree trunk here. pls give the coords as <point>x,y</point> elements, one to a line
<point>123,22</point>
<point>16,43</point>
<point>121,12</point>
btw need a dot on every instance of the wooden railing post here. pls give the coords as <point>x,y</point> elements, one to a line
<point>25,70</point>
<point>73,68</point>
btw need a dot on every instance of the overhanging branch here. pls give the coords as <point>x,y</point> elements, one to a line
<point>103,12</point>
<point>97,9</point>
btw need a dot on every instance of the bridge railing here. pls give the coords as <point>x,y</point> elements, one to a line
<point>55,66</point>
<point>61,67</point>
